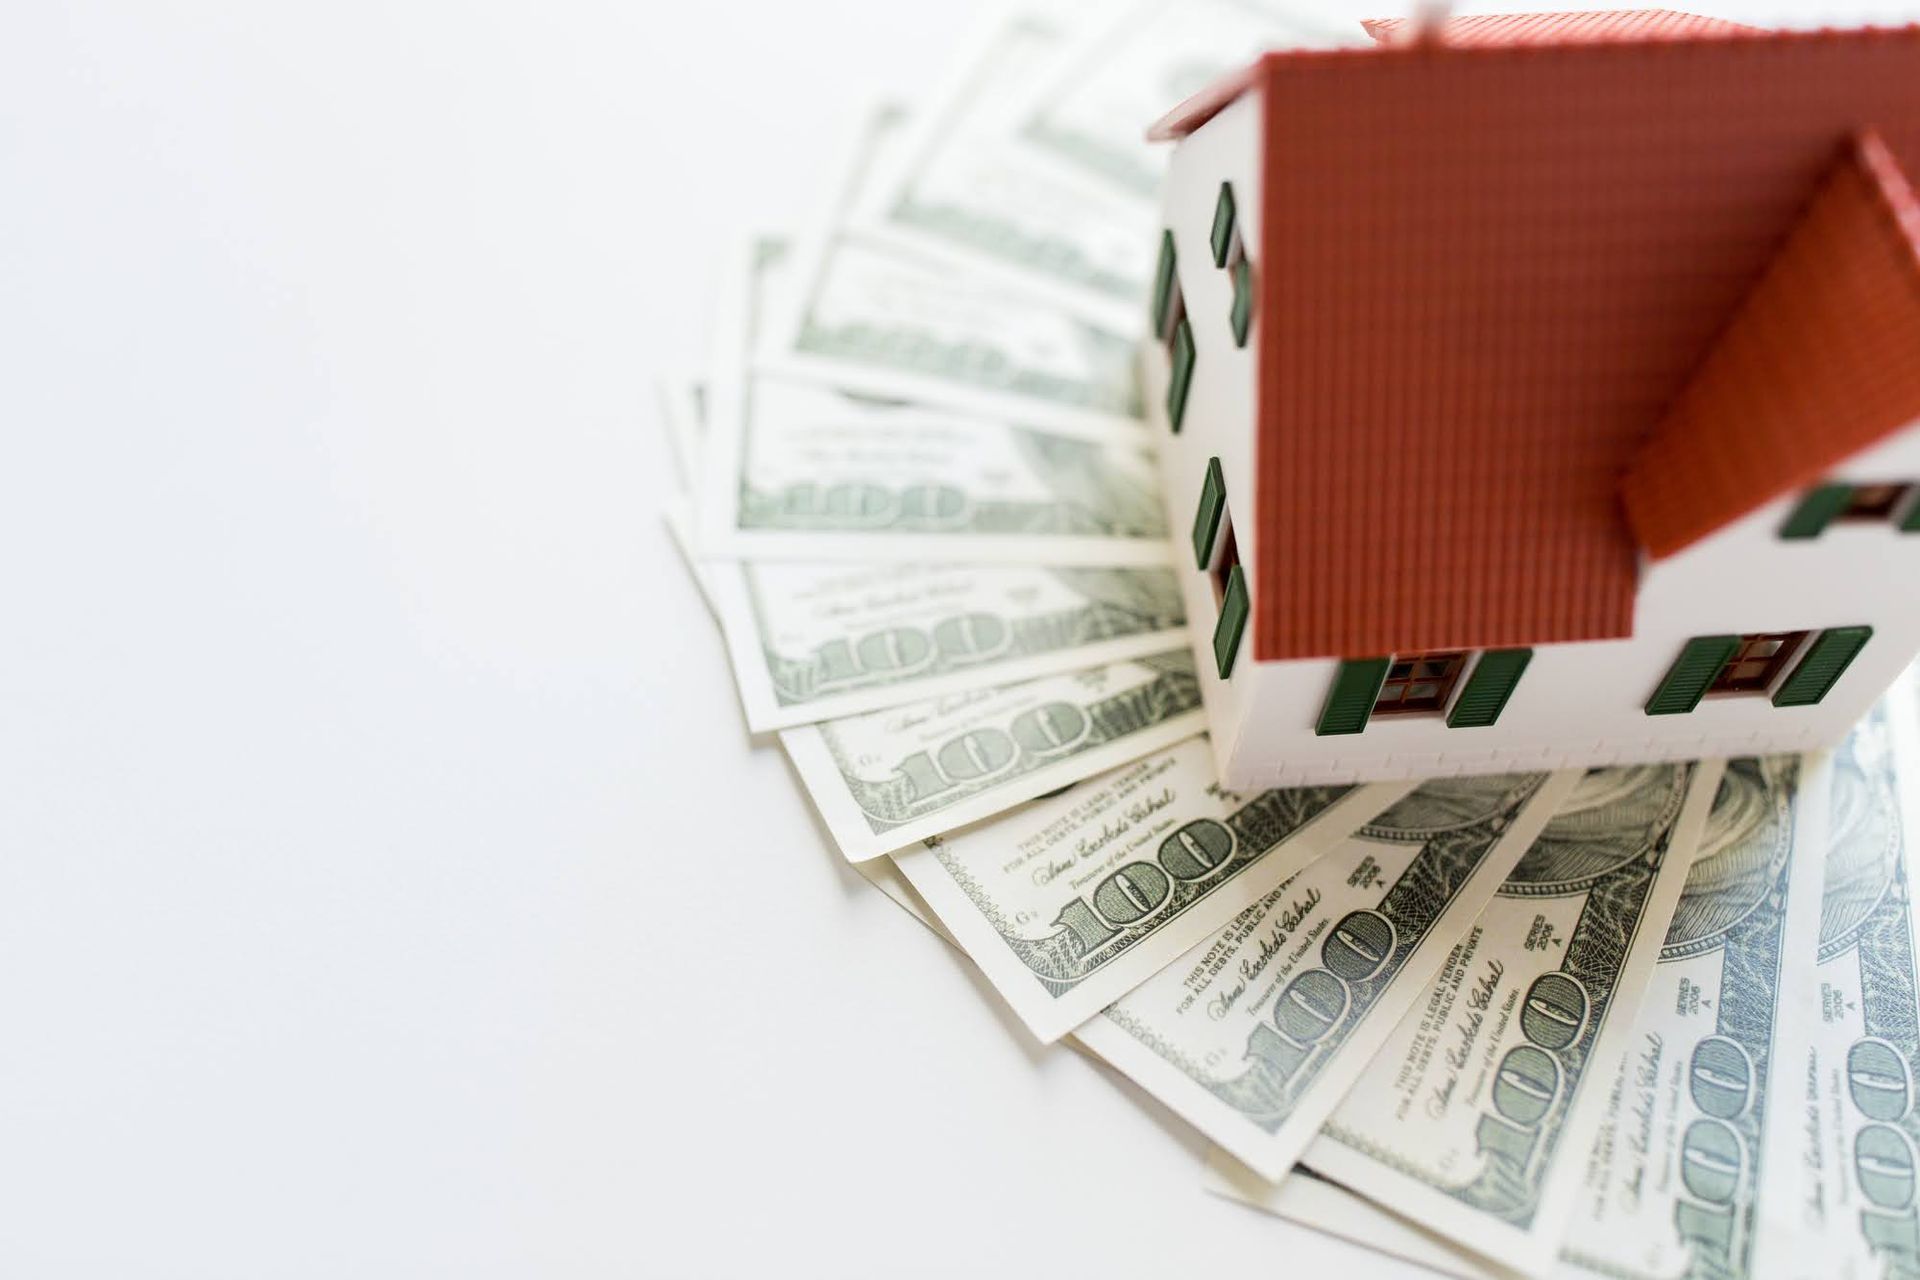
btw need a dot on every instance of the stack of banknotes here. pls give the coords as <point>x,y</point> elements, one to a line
<point>1633,1021</point>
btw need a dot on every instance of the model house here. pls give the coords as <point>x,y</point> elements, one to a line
<point>1544,391</point>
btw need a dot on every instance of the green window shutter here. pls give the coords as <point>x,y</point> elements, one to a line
<point>1206,521</point>
<point>1232,623</point>
<point>1242,315</point>
<point>1355,688</point>
<point>1687,679</point>
<point>1163,283</point>
<point>1223,225</point>
<point>1816,511</point>
<point>1910,523</point>
<point>1488,688</point>
<point>1182,374</point>
<point>1829,655</point>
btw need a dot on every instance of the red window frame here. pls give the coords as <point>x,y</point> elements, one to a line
<point>1420,683</point>
<point>1872,501</point>
<point>1761,657</point>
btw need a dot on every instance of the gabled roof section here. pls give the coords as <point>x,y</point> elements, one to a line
<point>1820,361</point>
<point>1486,274</point>
<point>1559,28</point>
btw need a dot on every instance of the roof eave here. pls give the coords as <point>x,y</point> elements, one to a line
<point>1209,102</point>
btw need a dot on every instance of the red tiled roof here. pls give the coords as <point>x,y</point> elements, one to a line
<point>1821,360</point>
<point>1559,28</point>
<point>1485,275</point>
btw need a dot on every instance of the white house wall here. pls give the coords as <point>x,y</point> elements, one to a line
<point>1583,704</point>
<point>1220,401</point>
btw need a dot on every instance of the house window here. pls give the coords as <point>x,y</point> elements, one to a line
<point>1365,689</point>
<point>1218,556</point>
<point>1872,501</point>
<point>1886,503</point>
<point>1753,663</point>
<point>1170,323</point>
<point>1224,565</point>
<point>1419,682</point>
<point>1230,252</point>
<point>1214,548</point>
<point>1758,659</point>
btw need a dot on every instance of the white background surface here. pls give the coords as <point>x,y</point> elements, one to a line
<point>387,886</point>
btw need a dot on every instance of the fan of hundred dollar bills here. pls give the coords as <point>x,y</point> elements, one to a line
<point>1638,1021</point>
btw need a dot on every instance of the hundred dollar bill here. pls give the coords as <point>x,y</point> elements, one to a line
<point>809,473</point>
<point>813,642</point>
<point>1070,902</point>
<point>797,470</point>
<point>1473,1119</point>
<point>1851,1210</point>
<point>869,319</point>
<point>1705,1100</point>
<point>1305,1197</point>
<point>887,779</point>
<point>1093,113</point>
<point>961,186</point>
<point>1255,1033</point>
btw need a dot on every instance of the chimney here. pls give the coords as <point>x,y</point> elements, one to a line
<point>1425,23</point>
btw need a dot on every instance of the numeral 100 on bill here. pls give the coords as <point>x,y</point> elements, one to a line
<point>1528,1083</point>
<point>1880,1086</point>
<point>1129,894</point>
<point>985,750</point>
<point>968,637</point>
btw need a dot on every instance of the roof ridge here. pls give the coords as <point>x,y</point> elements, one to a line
<point>1739,35</point>
<point>1902,206</point>
<point>1197,109</point>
